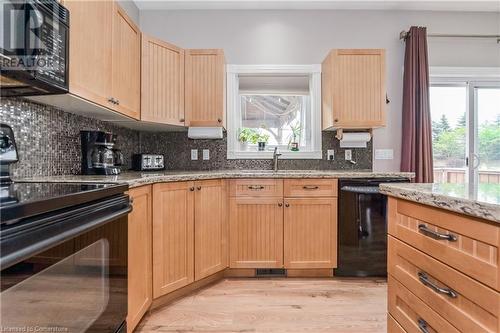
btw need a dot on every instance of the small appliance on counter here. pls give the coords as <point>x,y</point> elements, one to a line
<point>145,162</point>
<point>100,156</point>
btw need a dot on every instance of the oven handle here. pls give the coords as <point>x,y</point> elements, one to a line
<point>22,246</point>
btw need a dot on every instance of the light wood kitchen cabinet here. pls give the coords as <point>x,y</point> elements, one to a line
<point>205,87</point>
<point>256,232</point>
<point>173,236</point>
<point>310,233</point>
<point>162,91</point>
<point>104,50</point>
<point>140,292</point>
<point>126,64</point>
<point>90,48</point>
<point>353,89</point>
<point>210,228</point>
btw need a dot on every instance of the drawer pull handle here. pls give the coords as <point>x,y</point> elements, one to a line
<point>422,228</point>
<point>423,326</point>
<point>253,187</point>
<point>422,276</point>
<point>310,187</point>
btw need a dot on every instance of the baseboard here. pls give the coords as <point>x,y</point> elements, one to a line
<point>309,273</point>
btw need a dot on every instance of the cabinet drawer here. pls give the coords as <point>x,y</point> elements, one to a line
<point>467,244</point>
<point>393,326</point>
<point>473,306</point>
<point>412,314</point>
<point>256,187</point>
<point>310,187</point>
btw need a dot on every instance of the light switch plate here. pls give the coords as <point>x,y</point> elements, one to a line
<point>330,155</point>
<point>206,154</point>
<point>348,155</point>
<point>194,154</point>
<point>384,154</point>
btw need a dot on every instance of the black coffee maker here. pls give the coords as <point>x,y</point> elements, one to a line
<point>99,153</point>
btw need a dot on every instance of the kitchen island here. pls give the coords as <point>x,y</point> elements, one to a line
<point>443,257</point>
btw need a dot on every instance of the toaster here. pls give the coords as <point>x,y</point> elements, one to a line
<point>144,162</point>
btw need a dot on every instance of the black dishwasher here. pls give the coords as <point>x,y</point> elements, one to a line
<point>362,227</point>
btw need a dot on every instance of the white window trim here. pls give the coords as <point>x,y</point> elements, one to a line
<point>233,104</point>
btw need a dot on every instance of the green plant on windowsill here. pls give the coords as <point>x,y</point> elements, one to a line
<point>246,136</point>
<point>295,137</point>
<point>262,141</point>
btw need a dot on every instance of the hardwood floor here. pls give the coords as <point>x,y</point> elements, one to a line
<point>277,306</point>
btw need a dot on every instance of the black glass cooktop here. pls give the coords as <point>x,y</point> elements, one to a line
<point>22,200</point>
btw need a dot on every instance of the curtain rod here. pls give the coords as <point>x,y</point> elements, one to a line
<point>404,34</point>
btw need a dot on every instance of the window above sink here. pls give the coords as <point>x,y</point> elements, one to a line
<point>274,106</point>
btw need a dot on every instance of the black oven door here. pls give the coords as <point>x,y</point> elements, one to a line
<point>34,48</point>
<point>75,285</point>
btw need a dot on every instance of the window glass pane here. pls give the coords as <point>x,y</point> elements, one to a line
<point>282,119</point>
<point>488,142</point>
<point>449,133</point>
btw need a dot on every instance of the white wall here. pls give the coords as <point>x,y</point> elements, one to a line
<point>304,37</point>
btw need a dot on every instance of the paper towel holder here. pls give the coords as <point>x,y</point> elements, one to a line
<point>340,133</point>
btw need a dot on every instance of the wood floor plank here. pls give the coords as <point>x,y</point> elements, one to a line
<point>276,306</point>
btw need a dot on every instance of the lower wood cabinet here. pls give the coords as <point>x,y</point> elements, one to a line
<point>310,233</point>
<point>173,236</point>
<point>139,255</point>
<point>256,232</point>
<point>210,228</point>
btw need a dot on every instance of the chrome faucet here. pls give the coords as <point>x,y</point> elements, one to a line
<point>276,154</point>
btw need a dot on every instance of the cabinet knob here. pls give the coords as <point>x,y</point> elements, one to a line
<point>117,101</point>
<point>111,100</point>
<point>336,120</point>
<point>181,120</point>
<point>280,204</point>
<point>191,189</point>
<point>219,120</point>
<point>287,205</point>
<point>198,188</point>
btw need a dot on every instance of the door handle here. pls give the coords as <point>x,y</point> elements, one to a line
<point>255,187</point>
<point>423,229</point>
<point>422,276</point>
<point>199,188</point>
<point>191,189</point>
<point>423,326</point>
<point>280,204</point>
<point>310,187</point>
<point>287,205</point>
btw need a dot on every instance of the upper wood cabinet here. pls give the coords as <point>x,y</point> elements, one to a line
<point>104,49</point>
<point>90,48</point>
<point>162,91</point>
<point>353,89</point>
<point>210,228</point>
<point>310,233</point>
<point>173,236</point>
<point>140,293</point>
<point>205,88</point>
<point>126,64</point>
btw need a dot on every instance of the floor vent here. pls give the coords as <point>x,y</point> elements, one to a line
<point>268,272</point>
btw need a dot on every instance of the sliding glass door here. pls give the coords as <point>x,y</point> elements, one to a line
<point>466,131</point>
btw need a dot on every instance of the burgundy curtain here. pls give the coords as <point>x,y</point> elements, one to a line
<point>416,150</point>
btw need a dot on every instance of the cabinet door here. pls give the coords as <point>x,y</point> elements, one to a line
<point>173,233</point>
<point>126,64</point>
<point>162,92</point>
<point>140,292</point>
<point>310,233</point>
<point>353,84</point>
<point>210,236</point>
<point>205,88</point>
<point>90,47</point>
<point>256,232</point>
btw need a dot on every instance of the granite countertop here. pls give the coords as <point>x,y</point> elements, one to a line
<point>134,179</point>
<point>480,200</point>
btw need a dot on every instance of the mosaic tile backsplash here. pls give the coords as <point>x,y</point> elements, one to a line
<point>48,143</point>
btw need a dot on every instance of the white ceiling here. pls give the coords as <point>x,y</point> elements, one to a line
<point>446,5</point>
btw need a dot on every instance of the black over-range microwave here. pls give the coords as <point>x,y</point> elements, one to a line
<point>34,47</point>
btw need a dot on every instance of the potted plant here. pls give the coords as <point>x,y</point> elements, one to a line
<point>294,141</point>
<point>245,136</point>
<point>262,141</point>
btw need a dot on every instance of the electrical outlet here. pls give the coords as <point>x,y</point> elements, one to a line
<point>348,154</point>
<point>330,154</point>
<point>206,154</point>
<point>194,154</point>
